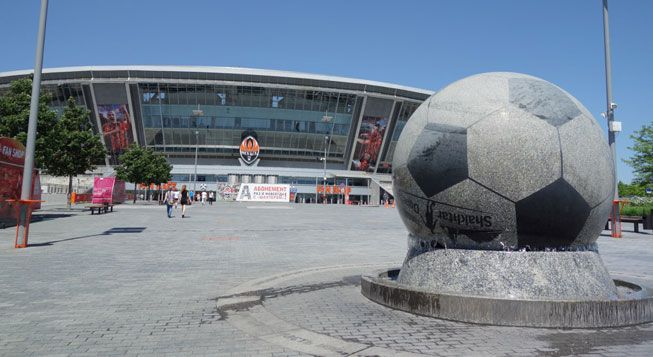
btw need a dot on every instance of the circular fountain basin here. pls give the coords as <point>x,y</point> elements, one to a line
<point>634,305</point>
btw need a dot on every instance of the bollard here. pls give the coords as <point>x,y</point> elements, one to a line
<point>615,216</point>
<point>23,218</point>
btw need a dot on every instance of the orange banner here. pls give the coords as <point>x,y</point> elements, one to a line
<point>335,190</point>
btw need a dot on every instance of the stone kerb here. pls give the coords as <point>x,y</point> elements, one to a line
<point>634,309</point>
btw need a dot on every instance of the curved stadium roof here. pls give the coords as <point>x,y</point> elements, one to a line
<point>204,73</point>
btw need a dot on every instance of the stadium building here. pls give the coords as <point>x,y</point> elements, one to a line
<point>221,126</point>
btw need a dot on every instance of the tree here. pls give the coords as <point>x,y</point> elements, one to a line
<point>642,160</point>
<point>73,148</point>
<point>14,117</point>
<point>626,190</point>
<point>143,165</point>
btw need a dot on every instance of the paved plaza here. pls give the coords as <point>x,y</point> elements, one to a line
<point>251,279</point>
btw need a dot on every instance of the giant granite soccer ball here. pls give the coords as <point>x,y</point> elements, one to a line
<point>503,161</point>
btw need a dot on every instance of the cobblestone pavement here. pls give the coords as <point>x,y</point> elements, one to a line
<point>285,280</point>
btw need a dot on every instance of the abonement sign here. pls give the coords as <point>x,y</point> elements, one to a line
<point>259,192</point>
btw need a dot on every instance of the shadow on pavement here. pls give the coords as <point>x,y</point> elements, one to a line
<point>114,230</point>
<point>36,217</point>
<point>40,217</point>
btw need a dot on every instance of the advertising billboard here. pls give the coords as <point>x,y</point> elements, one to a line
<point>116,128</point>
<point>369,141</point>
<point>259,192</point>
<point>108,190</point>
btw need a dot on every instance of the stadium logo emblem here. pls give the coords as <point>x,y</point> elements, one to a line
<point>249,150</point>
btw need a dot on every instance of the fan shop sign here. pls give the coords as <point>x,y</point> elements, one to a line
<point>257,192</point>
<point>12,151</point>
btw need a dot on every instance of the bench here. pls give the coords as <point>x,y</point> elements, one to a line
<point>636,220</point>
<point>101,208</point>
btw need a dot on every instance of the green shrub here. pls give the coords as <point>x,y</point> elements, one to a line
<point>636,210</point>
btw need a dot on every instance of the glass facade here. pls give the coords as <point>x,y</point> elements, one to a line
<point>295,118</point>
<point>61,93</point>
<point>288,122</point>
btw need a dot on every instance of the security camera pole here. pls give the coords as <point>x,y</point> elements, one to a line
<point>612,129</point>
<point>24,205</point>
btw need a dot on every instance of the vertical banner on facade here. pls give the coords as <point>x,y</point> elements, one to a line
<point>258,192</point>
<point>116,128</point>
<point>370,139</point>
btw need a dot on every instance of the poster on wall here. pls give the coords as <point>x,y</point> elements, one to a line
<point>369,141</point>
<point>259,192</point>
<point>116,128</point>
<point>227,192</point>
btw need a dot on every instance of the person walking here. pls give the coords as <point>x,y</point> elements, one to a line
<point>204,195</point>
<point>184,200</point>
<point>211,198</point>
<point>169,199</point>
<point>176,196</point>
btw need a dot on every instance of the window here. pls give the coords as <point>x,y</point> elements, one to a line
<point>276,100</point>
<point>147,96</point>
<point>222,99</point>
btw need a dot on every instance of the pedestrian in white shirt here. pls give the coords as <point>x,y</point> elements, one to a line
<point>175,194</point>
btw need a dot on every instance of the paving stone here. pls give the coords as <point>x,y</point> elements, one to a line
<point>82,291</point>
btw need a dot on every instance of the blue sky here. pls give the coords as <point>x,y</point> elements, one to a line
<point>425,44</point>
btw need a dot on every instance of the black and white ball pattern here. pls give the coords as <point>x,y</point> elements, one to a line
<point>503,161</point>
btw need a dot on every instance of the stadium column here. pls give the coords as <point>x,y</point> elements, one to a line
<point>99,123</point>
<point>358,128</point>
<point>391,119</point>
<point>132,119</point>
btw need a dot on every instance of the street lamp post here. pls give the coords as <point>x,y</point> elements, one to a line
<point>326,138</point>
<point>327,145</point>
<point>25,202</point>
<point>196,113</point>
<point>197,133</point>
<point>608,90</point>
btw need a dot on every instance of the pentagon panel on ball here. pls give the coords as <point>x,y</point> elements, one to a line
<point>504,182</point>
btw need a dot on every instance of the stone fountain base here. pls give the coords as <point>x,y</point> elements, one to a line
<point>536,289</point>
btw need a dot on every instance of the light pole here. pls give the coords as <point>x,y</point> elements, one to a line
<point>327,144</point>
<point>22,231</point>
<point>326,138</point>
<point>196,113</point>
<point>197,134</point>
<point>612,128</point>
